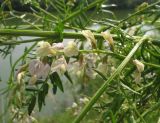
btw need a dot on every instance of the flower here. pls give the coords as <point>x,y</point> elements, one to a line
<point>107,36</point>
<point>74,105</point>
<point>45,49</point>
<point>38,69</point>
<point>139,65</point>
<point>71,49</point>
<point>60,65</point>
<point>84,100</point>
<point>90,37</point>
<point>140,69</point>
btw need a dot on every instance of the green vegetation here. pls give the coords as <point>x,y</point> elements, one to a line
<point>113,69</point>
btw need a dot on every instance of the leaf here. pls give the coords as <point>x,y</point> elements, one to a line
<point>45,88</point>
<point>68,77</point>
<point>40,100</point>
<point>54,89</point>
<point>101,74</point>
<point>55,79</point>
<point>125,86</point>
<point>31,105</point>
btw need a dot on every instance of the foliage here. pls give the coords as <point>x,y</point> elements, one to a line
<point>120,59</point>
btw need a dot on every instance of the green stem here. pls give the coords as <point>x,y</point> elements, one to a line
<point>24,41</point>
<point>106,83</point>
<point>49,34</point>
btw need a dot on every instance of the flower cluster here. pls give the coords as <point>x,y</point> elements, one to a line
<point>40,68</point>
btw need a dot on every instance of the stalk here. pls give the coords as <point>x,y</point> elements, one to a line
<point>106,83</point>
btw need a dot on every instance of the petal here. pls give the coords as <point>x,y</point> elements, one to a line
<point>58,46</point>
<point>108,37</point>
<point>35,66</point>
<point>60,65</point>
<point>90,37</point>
<point>71,49</point>
<point>33,80</point>
<point>139,65</point>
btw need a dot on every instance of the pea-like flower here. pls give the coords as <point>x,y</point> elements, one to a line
<point>45,49</point>
<point>58,46</point>
<point>140,69</point>
<point>108,37</point>
<point>90,37</point>
<point>37,69</point>
<point>71,49</point>
<point>60,65</point>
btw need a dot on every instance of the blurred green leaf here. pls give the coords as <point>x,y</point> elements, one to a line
<point>31,104</point>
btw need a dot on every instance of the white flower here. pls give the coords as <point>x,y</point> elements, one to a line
<point>90,37</point>
<point>45,49</point>
<point>108,37</point>
<point>71,49</point>
<point>37,69</point>
<point>60,65</point>
<point>84,100</point>
<point>74,105</point>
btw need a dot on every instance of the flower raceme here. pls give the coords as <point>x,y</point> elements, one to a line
<point>39,69</point>
<point>45,49</point>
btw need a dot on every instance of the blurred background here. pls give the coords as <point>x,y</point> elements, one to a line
<point>57,104</point>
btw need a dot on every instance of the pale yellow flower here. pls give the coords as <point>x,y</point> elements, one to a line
<point>45,49</point>
<point>71,49</point>
<point>108,37</point>
<point>90,37</point>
